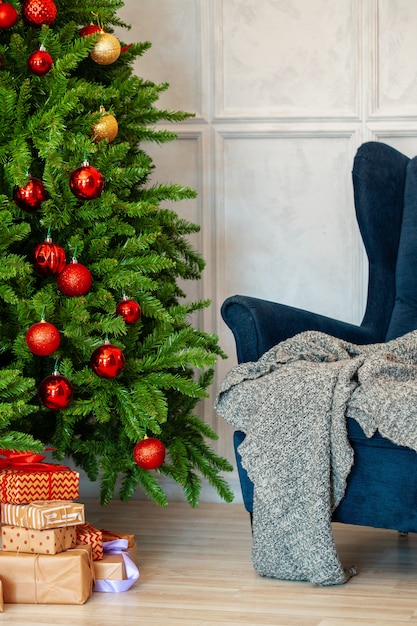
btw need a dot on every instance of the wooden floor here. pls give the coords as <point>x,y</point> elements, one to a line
<point>196,568</point>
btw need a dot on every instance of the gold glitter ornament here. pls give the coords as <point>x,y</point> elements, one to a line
<point>105,128</point>
<point>107,49</point>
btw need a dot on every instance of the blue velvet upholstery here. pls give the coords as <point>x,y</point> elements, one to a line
<point>382,486</point>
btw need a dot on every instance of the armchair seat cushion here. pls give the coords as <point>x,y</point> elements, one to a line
<point>369,502</point>
<point>381,488</point>
<point>356,435</point>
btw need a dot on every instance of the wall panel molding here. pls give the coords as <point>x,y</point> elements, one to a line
<point>392,44</point>
<point>259,46</point>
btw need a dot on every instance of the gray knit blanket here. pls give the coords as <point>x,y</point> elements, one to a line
<point>292,404</point>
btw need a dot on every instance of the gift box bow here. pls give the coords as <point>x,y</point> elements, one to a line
<point>28,461</point>
<point>118,546</point>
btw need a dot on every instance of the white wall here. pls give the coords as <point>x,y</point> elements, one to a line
<point>283,91</point>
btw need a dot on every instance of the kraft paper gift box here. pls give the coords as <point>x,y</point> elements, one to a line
<point>47,541</point>
<point>20,487</point>
<point>43,514</point>
<point>110,567</point>
<point>87,534</point>
<point>65,578</point>
<point>116,571</point>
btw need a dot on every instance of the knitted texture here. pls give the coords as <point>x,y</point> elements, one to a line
<point>292,404</point>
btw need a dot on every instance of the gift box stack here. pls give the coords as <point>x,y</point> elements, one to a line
<point>50,554</point>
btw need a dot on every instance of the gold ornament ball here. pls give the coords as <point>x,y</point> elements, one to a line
<point>106,128</point>
<point>107,49</point>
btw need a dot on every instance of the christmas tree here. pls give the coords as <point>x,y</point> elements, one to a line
<point>98,357</point>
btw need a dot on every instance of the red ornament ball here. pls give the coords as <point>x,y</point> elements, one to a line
<point>31,196</point>
<point>48,258</point>
<point>149,453</point>
<point>8,15</point>
<point>38,12</point>
<point>75,280</point>
<point>43,338</point>
<point>89,30</point>
<point>129,310</point>
<point>40,62</point>
<point>86,182</point>
<point>55,391</point>
<point>107,361</point>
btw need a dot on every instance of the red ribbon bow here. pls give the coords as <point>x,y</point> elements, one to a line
<point>27,461</point>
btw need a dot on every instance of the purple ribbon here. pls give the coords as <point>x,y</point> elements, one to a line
<point>118,546</point>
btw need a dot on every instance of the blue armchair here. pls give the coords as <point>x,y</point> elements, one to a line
<point>382,486</point>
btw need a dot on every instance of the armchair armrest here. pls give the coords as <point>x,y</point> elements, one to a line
<point>258,325</point>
